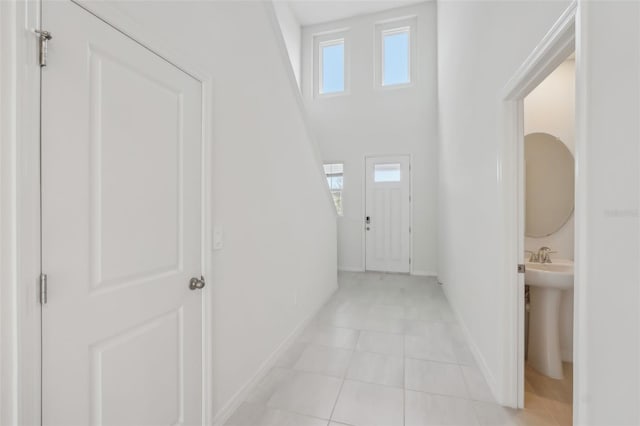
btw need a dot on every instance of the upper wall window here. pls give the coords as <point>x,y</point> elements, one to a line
<point>396,56</point>
<point>395,52</point>
<point>331,64</point>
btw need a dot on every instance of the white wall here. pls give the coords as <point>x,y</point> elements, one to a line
<point>292,34</point>
<point>373,121</point>
<point>480,46</point>
<point>278,264</point>
<point>478,53</point>
<point>550,108</point>
<point>608,301</point>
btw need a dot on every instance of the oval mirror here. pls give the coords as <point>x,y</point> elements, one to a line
<point>549,183</point>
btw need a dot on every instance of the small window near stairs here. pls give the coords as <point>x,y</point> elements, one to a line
<point>335,180</point>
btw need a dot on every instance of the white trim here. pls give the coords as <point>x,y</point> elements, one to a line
<point>424,274</point>
<point>580,301</point>
<point>553,49</point>
<point>241,395</point>
<point>476,352</point>
<point>207,248</point>
<point>19,214</point>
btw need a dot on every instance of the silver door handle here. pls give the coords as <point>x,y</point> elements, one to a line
<point>196,283</point>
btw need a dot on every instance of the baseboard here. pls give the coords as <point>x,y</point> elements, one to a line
<point>477,354</point>
<point>349,269</point>
<point>416,273</point>
<point>424,273</point>
<point>230,407</point>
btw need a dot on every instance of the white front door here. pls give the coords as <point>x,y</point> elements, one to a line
<point>121,229</point>
<point>388,214</point>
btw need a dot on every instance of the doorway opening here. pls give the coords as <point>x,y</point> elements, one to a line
<point>555,59</point>
<point>549,201</point>
<point>387,221</point>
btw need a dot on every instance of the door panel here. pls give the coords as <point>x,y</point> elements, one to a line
<point>388,209</point>
<point>121,229</point>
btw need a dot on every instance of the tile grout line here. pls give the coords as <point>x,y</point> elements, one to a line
<point>318,322</point>
<point>466,385</point>
<point>346,371</point>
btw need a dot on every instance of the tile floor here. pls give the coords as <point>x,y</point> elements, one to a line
<point>385,350</point>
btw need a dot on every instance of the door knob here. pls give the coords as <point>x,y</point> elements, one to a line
<point>196,283</point>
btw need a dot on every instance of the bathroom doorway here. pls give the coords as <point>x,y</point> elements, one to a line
<point>533,121</point>
<point>549,202</point>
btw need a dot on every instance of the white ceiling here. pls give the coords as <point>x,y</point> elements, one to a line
<point>311,12</point>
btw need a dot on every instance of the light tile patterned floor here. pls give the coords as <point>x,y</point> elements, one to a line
<point>385,350</point>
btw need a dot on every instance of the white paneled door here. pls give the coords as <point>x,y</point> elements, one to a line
<point>121,229</point>
<point>388,213</point>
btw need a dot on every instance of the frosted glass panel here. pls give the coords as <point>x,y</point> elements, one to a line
<point>386,172</point>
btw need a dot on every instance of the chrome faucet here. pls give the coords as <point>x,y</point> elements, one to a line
<point>533,256</point>
<point>543,255</point>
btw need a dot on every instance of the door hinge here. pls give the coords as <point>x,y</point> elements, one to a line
<point>409,261</point>
<point>521,268</point>
<point>409,229</point>
<point>43,289</point>
<point>43,40</point>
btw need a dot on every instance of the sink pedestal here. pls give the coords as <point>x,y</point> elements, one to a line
<point>544,331</point>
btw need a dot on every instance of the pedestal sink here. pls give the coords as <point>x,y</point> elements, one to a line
<point>546,281</point>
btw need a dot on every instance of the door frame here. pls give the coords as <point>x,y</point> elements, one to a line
<point>561,40</point>
<point>20,319</point>
<point>364,206</point>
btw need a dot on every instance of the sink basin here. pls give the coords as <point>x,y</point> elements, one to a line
<point>558,274</point>
<point>547,283</point>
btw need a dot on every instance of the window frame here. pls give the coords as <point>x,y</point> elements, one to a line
<point>327,39</point>
<point>395,26</point>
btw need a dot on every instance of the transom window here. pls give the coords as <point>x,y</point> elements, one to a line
<point>396,56</point>
<point>395,50</point>
<point>331,66</point>
<point>335,180</point>
<point>386,172</point>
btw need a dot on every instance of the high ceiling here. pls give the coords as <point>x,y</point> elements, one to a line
<point>311,12</point>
